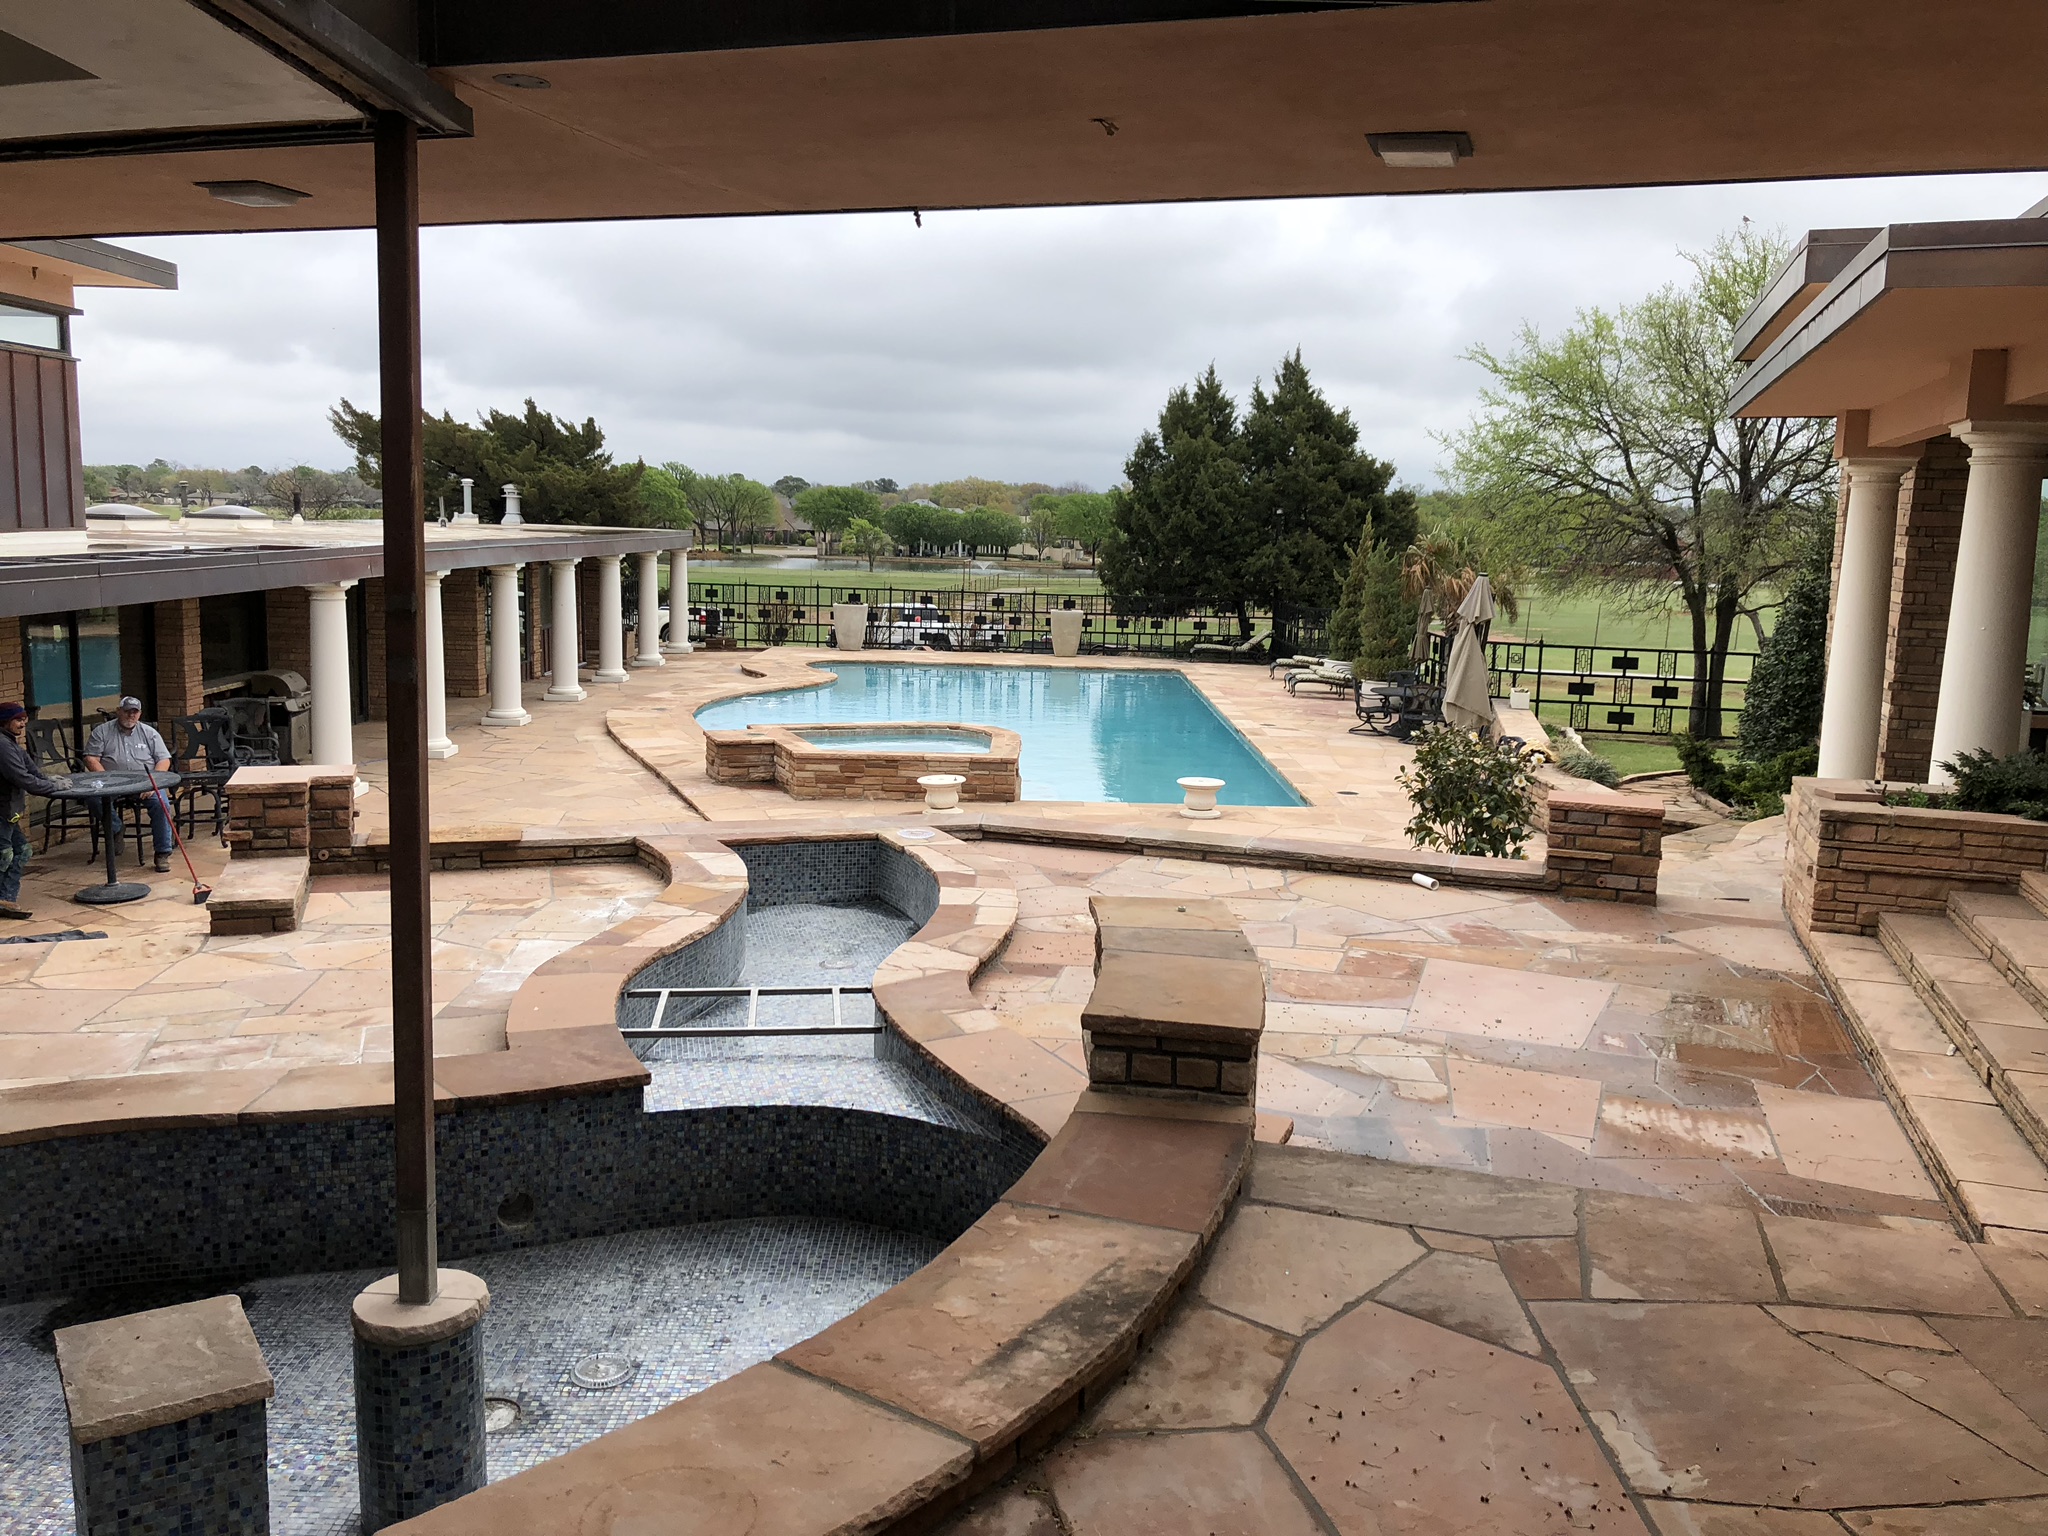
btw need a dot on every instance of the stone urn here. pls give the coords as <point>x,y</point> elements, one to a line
<point>850,626</point>
<point>941,790</point>
<point>1199,798</point>
<point>1066,631</point>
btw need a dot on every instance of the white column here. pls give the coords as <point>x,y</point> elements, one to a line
<point>333,712</point>
<point>435,681</point>
<point>1863,608</point>
<point>648,565</point>
<point>678,641</point>
<point>1983,665</point>
<point>507,664</point>
<point>611,623</point>
<point>564,645</point>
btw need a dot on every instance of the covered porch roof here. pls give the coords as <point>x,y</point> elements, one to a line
<point>1922,326</point>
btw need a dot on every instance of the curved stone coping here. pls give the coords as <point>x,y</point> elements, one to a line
<point>562,1035</point>
<point>818,762</point>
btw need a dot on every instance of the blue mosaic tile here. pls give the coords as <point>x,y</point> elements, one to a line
<point>419,1426</point>
<point>202,1476</point>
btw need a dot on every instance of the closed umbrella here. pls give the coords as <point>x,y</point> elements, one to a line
<point>1419,651</point>
<point>1468,692</point>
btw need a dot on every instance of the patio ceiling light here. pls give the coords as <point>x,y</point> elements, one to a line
<point>253,194</point>
<point>520,82</point>
<point>1421,151</point>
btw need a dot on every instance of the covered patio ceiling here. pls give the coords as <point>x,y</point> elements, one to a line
<point>634,109</point>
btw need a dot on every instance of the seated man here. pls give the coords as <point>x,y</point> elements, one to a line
<point>126,745</point>
<point>19,774</point>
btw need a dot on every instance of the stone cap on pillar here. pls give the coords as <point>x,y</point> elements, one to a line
<point>128,1374</point>
<point>1183,964</point>
<point>380,1318</point>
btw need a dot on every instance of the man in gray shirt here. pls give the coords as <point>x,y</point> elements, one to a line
<point>126,744</point>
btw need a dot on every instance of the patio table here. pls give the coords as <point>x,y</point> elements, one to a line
<point>106,788</point>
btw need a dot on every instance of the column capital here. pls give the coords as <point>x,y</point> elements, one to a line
<point>329,589</point>
<point>563,565</point>
<point>2006,441</point>
<point>1872,467</point>
<point>508,570</point>
<point>436,577</point>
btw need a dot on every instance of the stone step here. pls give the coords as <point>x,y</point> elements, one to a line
<point>2034,886</point>
<point>1997,1031</point>
<point>2012,933</point>
<point>1987,1171</point>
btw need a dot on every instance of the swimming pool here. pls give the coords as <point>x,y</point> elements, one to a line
<point>1090,733</point>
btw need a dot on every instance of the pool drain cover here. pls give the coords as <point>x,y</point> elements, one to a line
<point>500,1414</point>
<point>597,1373</point>
<point>916,834</point>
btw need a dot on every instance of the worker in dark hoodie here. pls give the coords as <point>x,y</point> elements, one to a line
<point>20,776</point>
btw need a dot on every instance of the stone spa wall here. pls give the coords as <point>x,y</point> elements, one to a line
<point>204,1202</point>
<point>814,770</point>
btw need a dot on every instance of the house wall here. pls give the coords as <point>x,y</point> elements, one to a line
<point>288,622</point>
<point>42,477</point>
<point>465,634</point>
<point>1923,575</point>
<point>13,663</point>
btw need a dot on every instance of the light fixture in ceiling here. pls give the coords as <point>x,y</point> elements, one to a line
<point>254,194</point>
<point>1421,151</point>
<point>525,82</point>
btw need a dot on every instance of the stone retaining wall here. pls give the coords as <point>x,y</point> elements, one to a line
<point>307,810</point>
<point>1849,857</point>
<point>1604,847</point>
<point>812,770</point>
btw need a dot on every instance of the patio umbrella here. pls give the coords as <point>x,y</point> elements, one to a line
<point>1468,694</point>
<point>1419,651</point>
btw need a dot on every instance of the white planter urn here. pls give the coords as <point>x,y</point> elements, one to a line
<point>941,790</point>
<point>1518,698</point>
<point>850,626</point>
<point>1066,631</point>
<point>1199,802</point>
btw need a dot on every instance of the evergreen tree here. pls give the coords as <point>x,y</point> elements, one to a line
<point>1180,530</point>
<point>1311,493</point>
<point>1374,622</point>
<point>1781,708</point>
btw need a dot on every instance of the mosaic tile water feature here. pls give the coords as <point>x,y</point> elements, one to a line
<point>687,1306</point>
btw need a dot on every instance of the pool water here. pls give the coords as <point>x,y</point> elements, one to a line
<point>929,742</point>
<point>1089,733</point>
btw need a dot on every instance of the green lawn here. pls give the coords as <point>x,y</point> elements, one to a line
<point>1635,754</point>
<point>1588,619</point>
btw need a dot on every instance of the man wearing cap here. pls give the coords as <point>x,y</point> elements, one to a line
<point>19,775</point>
<point>126,744</point>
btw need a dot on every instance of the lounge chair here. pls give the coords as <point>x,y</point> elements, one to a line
<point>1240,651</point>
<point>1296,664</point>
<point>1334,675</point>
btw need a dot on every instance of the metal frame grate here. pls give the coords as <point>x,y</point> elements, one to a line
<point>752,1027</point>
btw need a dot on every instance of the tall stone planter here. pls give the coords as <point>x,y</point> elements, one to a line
<point>850,626</point>
<point>1066,631</point>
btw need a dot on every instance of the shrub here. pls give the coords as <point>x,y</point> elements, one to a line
<point>2011,786</point>
<point>1584,763</point>
<point>1781,706</point>
<point>1756,787</point>
<point>1469,796</point>
<point>1373,625</point>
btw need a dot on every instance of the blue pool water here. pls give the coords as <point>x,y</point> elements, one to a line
<point>955,742</point>
<point>1089,733</point>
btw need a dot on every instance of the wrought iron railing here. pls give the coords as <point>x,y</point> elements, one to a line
<point>1613,690</point>
<point>988,618</point>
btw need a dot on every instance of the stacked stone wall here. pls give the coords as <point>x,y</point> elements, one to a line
<point>288,625</point>
<point>1850,858</point>
<point>1930,525</point>
<point>376,702</point>
<point>817,770</point>
<point>180,663</point>
<point>274,811</point>
<point>13,662</point>
<point>465,634</point>
<point>1604,847</point>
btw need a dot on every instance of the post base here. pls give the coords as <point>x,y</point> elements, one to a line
<point>648,661</point>
<point>442,750</point>
<point>565,696</point>
<point>520,717</point>
<point>610,677</point>
<point>419,1397</point>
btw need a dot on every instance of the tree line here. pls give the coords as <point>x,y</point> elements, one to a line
<point>301,488</point>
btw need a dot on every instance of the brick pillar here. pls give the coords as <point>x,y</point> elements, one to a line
<point>13,663</point>
<point>586,607</point>
<point>463,634</point>
<point>375,706</point>
<point>288,621</point>
<point>1923,573</point>
<point>538,612</point>
<point>180,665</point>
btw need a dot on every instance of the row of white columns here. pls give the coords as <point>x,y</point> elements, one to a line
<point>333,734</point>
<point>1978,707</point>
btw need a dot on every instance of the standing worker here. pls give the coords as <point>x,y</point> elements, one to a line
<point>19,775</point>
<point>126,743</point>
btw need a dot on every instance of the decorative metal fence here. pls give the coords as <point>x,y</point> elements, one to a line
<point>978,619</point>
<point>1612,690</point>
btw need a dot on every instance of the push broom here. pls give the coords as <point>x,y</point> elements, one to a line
<point>200,890</point>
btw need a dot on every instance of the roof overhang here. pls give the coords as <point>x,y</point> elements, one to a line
<point>1815,262</point>
<point>1926,325</point>
<point>654,109</point>
<point>92,263</point>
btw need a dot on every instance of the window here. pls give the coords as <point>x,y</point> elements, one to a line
<point>31,328</point>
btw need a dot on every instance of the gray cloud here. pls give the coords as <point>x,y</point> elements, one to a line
<point>1020,344</point>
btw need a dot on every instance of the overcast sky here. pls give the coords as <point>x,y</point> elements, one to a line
<point>1023,345</point>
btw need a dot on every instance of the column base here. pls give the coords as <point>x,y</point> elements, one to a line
<point>671,648</point>
<point>565,696</point>
<point>510,718</point>
<point>419,1398</point>
<point>647,661</point>
<point>442,750</point>
<point>610,677</point>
